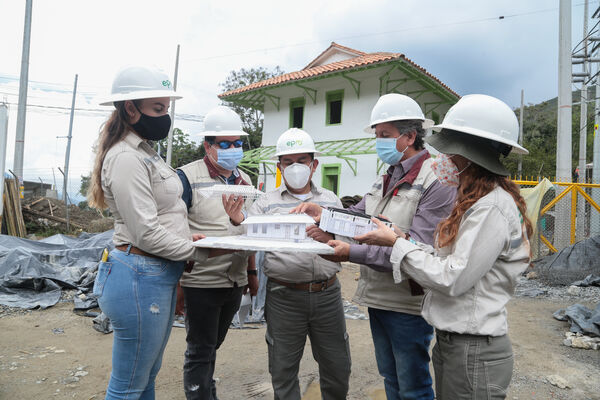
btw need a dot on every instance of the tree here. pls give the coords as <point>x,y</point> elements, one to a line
<point>252,118</point>
<point>184,151</point>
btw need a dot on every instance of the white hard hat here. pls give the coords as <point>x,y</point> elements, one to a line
<point>295,141</point>
<point>396,107</point>
<point>136,83</point>
<point>222,121</point>
<point>486,117</point>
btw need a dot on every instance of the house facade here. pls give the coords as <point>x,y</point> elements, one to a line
<point>331,99</point>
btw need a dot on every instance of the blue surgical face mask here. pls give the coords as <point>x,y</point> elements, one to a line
<point>229,158</point>
<point>387,151</point>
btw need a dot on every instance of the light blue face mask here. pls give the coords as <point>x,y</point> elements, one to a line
<point>387,151</point>
<point>229,158</point>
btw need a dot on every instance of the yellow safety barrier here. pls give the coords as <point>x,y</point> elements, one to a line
<point>575,189</point>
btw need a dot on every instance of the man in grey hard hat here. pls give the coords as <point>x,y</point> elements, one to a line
<point>213,289</point>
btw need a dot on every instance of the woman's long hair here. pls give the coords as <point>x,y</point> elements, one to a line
<point>475,183</point>
<point>113,130</point>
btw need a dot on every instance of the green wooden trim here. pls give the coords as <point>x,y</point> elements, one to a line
<point>342,149</point>
<point>352,163</point>
<point>294,103</point>
<point>276,100</point>
<point>334,95</point>
<point>380,165</point>
<point>310,92</point>
<point>338,168</point>
<point>354,83</point>
<point>432,103</point>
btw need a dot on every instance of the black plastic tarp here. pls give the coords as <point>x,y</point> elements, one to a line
<point>571,263</point>
<point>33,272</point>
<point>582,319</point>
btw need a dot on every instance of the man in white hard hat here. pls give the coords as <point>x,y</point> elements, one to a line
<point>213,289</point>
<point>303,293</point>
<point>412,198</point>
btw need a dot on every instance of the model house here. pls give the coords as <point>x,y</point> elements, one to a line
<point>290,227</point>
<point>331,98</point>
<point>346,223</point>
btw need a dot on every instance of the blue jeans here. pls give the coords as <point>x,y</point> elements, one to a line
<point>138,294</point>
<point>402,352</point>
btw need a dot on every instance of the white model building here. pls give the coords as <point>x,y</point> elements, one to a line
<point>278,226</point>
<point>245,191</point>
<point>346,223</point>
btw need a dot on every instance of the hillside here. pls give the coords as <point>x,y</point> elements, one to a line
<point>539,136</point>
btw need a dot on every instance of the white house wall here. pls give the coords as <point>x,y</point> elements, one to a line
<point>355,116</point>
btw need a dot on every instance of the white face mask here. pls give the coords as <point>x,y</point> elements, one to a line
<point>297,175</point>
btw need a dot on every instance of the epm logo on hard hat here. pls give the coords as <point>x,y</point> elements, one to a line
<point>292,143</point>
<point>167,83</point>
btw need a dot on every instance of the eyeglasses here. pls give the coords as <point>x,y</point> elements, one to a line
<point>225,144</point>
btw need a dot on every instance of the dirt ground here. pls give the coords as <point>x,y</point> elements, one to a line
<point>56,354</point>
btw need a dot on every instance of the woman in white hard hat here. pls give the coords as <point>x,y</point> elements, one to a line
<point>480,250</point>
<point>136,285</point>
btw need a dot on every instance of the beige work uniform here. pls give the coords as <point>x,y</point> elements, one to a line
<point>207,216</point>
<point>144,196</point>
<point>377,289</point>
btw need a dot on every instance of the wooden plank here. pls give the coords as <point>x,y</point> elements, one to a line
<point>51,217</point>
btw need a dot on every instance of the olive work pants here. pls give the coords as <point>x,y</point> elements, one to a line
<point>291,316</point>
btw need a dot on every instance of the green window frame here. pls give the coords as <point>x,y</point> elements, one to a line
<point>330,177</point>
<point>334,96</point>
<point>296,103</point>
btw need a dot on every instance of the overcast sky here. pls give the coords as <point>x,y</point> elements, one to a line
<point>463,43</point>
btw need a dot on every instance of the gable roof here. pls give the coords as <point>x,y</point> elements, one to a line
<point>310,71</point>
<point>331,50</point>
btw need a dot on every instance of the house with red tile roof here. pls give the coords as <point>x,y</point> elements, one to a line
<point>331,99</point>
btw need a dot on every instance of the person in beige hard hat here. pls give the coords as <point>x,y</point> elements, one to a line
<point>303,292</point>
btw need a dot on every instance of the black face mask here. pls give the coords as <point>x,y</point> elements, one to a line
<point>152,128</point>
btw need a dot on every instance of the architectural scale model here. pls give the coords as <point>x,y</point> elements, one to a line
<point>342,222</point>
<point>246,191</point>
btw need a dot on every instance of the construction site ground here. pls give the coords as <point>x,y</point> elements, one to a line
<point>55,354</point>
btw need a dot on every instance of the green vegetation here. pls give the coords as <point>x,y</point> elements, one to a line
<point>539,137</point>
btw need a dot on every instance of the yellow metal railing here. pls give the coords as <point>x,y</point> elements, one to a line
<point>570,187</point>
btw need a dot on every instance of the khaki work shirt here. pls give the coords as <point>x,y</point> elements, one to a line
<point>472,280</point>
<point>295,267</point>
<point>144,196</point>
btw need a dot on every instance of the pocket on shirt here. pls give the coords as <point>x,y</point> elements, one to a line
<point>101,277</point>
<point>168,181</point>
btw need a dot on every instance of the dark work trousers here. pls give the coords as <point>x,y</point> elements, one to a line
<point>292,315</point>
<point>208,314</point>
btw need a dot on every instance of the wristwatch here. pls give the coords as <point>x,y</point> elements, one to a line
<point>251,272</point>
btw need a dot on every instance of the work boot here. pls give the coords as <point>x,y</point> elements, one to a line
<point>213,388</point>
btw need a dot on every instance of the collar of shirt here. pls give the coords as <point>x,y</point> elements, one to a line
<point>235,175</point>
<point>313,189</point>
<point>403,171</point>
<point>404,166</point>
<point>136,142</point>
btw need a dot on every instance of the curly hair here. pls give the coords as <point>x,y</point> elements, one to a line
<point>476,182</point>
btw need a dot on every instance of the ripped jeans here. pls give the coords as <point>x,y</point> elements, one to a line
<point>138,294</point>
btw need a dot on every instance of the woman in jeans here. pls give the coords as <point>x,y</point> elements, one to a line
<point>480,250</point>
<point>136,286</point>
